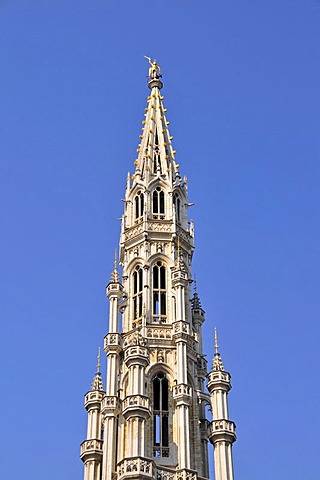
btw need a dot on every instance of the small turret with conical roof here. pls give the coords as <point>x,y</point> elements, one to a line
<point>222,432</point>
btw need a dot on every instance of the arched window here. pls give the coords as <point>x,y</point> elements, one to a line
<point>177,204</point>
<point>138,205</point>
<point>137,293</point>
<point>160,396</point>
<point>159,293</point>
<point>158,204</point>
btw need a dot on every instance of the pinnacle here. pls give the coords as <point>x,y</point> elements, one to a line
<point>97,383</point>
<point>217,364</point>
<point>115,274</point>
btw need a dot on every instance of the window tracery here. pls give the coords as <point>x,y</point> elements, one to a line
<point>138,205</point>
<point>159,309</point>
<point>158,204</point>
<point>137,294</point>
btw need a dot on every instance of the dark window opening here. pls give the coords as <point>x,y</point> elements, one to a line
<point>160,415</point>
<point>159,293</point>
<point>137,294</point>
<point>138,205</point>
<point>158,204</point>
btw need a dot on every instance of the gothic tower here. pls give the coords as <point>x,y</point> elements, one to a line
<point>150,421</point>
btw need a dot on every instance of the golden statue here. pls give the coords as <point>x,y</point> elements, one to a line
<point>154,69</point>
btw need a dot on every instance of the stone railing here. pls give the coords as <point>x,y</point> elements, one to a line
<point>135,467</point>
<point>160,226</point>
<point>112,342</point>
<point>186,475</point>
<point>218,376</point>
<point>93,396</point>
<point>110,403</point>
<point>159,332</point>
<point>218,425</point>
<point>134,231</point>
<point>182,389</point>
<point>91,446</point>
<point>135,351</point>
<point>135,400</point>
<point>139,467</point>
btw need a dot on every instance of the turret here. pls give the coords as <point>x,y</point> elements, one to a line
<point>222,431</point>
<point>91,448</point>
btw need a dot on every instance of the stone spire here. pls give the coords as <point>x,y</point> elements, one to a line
<point>217,364</point>
<point>115,274</point>
<point>97,383</point>
<point>156,154</point>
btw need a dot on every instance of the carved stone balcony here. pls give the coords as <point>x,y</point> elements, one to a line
<point>114,289</point>
<point>181,330</point>
<point>93,399</point>
<point>219,380</point>
<point>91,450</point>
<point>186,475</point>
<point>222,430</point>
<point>110,405</point>
<point>136,406</point>
<point>182,393</point>
<point>137,467</point>
<point>136,355</point>
<point>112,343</point>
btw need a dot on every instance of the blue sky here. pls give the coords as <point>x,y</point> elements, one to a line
<point>241,84</point>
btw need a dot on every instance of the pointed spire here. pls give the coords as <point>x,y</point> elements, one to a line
<point>217,364</point>
<point>115,274</point>
<point>195,301</point>
<point>97,383</point>
<point>156,156</point>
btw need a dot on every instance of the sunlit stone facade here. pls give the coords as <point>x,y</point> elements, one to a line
<point>150,421</point>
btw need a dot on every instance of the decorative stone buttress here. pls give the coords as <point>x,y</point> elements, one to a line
<point>150,422</point>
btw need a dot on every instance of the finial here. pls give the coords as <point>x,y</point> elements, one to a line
<point>179,250</point>
<point>115,274</point>
<point>99,358</point>
<point>97,383</point>
<point>195,284</point>
<point>216,346</point>
<point>217,364</point>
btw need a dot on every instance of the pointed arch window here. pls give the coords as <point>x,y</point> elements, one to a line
<point>159,293</point>
<point>138,205</point>
<point>137,293</point>
<point>177,205</point>
<point>160,397</point>
<point>158,204</point>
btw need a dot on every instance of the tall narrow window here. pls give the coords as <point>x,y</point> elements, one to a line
<point>160,415</point>
<point>159,293</point>
<point>177,204</point>
<point>158,203</point>
<point>156,155</point>
<point>138,205</point>
<point>137,293</point>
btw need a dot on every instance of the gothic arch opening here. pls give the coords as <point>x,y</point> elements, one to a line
<point>160,415</point>
<point>159,293</point>
<point>158,210</point>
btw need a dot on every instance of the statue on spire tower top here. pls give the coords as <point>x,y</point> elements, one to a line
<point>154,69</point>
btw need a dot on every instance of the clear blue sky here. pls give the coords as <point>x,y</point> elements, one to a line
<point>241,84</point>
